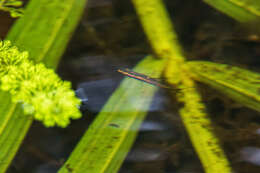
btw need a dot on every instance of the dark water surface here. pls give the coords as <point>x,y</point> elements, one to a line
<point>109,37</point>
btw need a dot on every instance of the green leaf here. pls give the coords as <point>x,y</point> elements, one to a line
<point>245,11</point>
<point>45,29</point>
<point>44,32</point>
<point>12,6</point>
<point>241,85</point>
<point>14,3</point>
<point>109,138</point>
<point>164,40</point>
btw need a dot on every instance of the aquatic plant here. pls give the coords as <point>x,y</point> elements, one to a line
<point>180,74</point>
<point>40,91</point>
<point>14,7</point>
<point>44,31</point>
<point>244,11</point>
<point>104,149</point>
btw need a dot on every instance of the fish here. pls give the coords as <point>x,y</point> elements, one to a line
<point>142,77</point>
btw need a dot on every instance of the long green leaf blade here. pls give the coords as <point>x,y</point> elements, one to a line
<point>44,31</point>
<point>46,28</point>
<point>158,26</point>
<point>107,141</point>
<point>241,85</point>
<point>245,11</point>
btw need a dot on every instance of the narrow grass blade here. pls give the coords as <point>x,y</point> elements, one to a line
<point>44,31</point>
<point>241,85</point>
<point>109,138</point>
<point>245,11</point>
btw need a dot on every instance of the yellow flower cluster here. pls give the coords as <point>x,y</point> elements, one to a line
<point>41,92</point>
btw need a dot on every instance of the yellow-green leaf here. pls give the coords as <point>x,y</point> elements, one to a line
<point>107,141</point>
<point>240,84</point>
<point>246,11</point>
<point>43,31</point>
<point>157,26</point>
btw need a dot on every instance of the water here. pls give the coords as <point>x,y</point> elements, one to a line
<point>109,37</point>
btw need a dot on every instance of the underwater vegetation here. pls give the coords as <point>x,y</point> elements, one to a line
<point>12,6</point>
<point>40,91</point>
<point>33,90</point>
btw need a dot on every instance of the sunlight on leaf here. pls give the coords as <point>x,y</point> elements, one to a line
<point>110,137</point>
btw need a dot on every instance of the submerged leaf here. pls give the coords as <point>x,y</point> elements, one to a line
<point>12,6</point>
<point>163,38</point>
<point>246,11</point>
<point>109,138</point>
<point>43,31</point>
<point>200,129</point>
<point>241,85</point>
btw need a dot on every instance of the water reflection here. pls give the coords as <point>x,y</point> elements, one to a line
<point>95,93</point>
<point>146,154</point>
<point>250,155</point>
